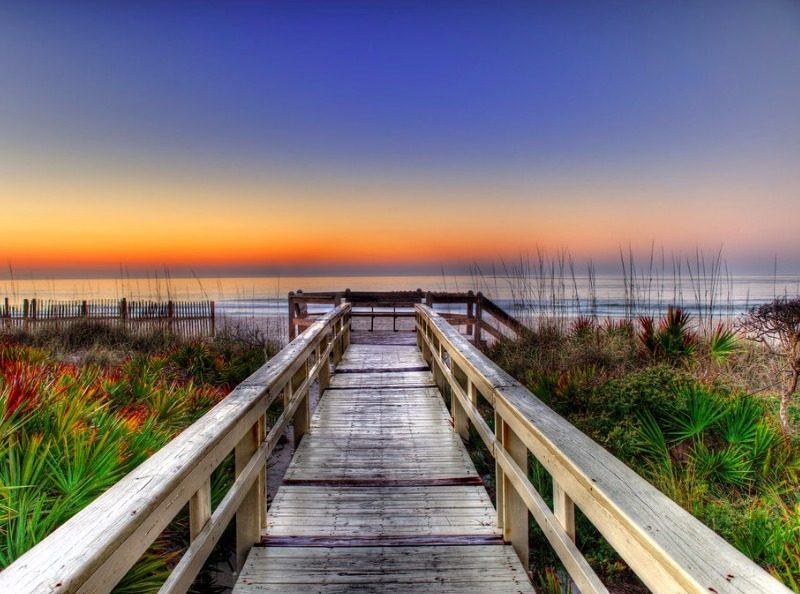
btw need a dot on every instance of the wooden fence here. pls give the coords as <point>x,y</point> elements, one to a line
<point>190,318</point>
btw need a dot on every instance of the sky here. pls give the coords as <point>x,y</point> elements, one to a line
<point>395,136</point>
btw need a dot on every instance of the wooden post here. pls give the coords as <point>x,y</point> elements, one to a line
<point>438,374</point>
<point>213,314</point>
<point>199,510</point>
<point>84,309</point>
<point>470,312</point>
<point>347,300</point>
<point>460,418</point>
<point>324,376</point>
<point>564,510</point>
<point>302,416</point>
<point>499,476</point>
<point>25,308</point>
<point>292,329</point>
<point>478,316</point>
<point>514,510</point>
<point>346,336</point>
<point>250,513</point>
<point>337,342</point>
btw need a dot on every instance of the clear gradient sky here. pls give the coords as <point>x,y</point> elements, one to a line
<point>392,136</point>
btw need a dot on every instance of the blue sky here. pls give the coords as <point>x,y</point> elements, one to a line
<point>593,106</point>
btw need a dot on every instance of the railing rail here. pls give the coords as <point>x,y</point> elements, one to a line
<point>669,549</point>
<point>93,550</point>
<point>478,314</point>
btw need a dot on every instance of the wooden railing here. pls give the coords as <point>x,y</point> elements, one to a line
<point>669,549</point>
<point>476,313</point>
<point>93,550</point>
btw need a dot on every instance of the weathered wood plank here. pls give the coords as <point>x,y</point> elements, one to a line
<point>382,338</point>
<point>381,380</point>
<point>379,511</point>
<point>479,569</point>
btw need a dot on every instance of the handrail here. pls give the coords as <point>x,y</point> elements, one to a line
<point>669,549</point>
<point>476,315</point>
<point>94,549</point>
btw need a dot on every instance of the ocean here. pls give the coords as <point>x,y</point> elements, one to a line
<point>612,296</point>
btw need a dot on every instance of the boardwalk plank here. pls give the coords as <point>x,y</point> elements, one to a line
<point>478,569</point>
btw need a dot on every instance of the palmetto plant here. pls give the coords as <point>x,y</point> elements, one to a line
<point>722,343</point>
<point>672,339</point>
<point>70,432</point>
<point>702,411</point>
<point>723,443</point>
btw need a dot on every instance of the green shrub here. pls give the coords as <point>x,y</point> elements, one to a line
<point>616,404</point>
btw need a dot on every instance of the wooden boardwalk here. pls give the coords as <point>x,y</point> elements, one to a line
<point>381,495</point>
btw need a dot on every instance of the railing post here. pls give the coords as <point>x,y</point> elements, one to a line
<point>199,510</point>
<point>302,415</point>
<point>460,418</point>
<point>499,475</point>
<point>478,320</point>
<point>337,342</point>
<point>249,516</point>
<point>348,299</point>
<point>513,509</point>
<point>292,330</point>
<point>438,374</point>
<point>564,510</point>
<point>470,312</point>
<point>324,370</point>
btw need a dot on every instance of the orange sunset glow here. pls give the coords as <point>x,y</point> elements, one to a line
<point>166,221</point>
